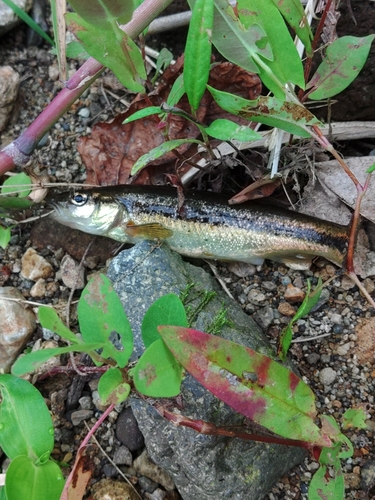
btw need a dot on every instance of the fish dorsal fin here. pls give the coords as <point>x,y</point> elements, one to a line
<point>152,231</point>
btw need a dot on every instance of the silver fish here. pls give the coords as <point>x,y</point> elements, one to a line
<point>204,227</point>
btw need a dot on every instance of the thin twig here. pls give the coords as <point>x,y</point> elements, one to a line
<point>111,461</point>
<point>223,285</point>
<point>68,304</point>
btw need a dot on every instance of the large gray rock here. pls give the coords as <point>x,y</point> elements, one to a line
<point>8,19</point>
<point>203,467</point>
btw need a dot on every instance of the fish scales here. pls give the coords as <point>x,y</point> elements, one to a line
<point>205,226</point>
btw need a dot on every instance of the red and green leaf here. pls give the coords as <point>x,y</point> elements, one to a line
<point>252,384</point>
<point>343,61</point>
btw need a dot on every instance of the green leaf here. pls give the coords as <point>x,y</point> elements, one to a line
<point>164,59</point>
<point>274,112</point>
<point>294,14</point>
<point>354,417</point>
<point>25,422</point>
<point>344,60</point>
<point>236,43</point>
<point>5,235</point>
<point>112,388</point>
<point>286,64</point>
<point>26,480</point>
<point>177,91</point>
<point>308,303</point>
<point>74,50</point>
<point>252,384</point>
<point>112,48</point>
<point>157,373</point>
<point>371,169</point>
<point>226,130</point>
<point>100,13</point>
<point>198,48</point>
<point>159,151</point>
<point>32,361</point>
<point>323,486</point>
<point>168,310</point>
<point>102,319</point>
<point>17,183</point>
<point>143,113</point>
<point>49,319</point>
<point>13,202</point>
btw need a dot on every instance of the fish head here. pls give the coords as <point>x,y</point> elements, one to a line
<point>87,210</point>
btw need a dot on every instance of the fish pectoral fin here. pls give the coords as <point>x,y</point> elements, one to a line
<point>150,231</point>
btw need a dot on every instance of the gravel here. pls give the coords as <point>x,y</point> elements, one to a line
<point>326,348</point>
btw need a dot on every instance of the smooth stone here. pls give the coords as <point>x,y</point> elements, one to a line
<point>201,466</point>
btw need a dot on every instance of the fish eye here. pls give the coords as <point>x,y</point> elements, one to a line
<point>79,199</point>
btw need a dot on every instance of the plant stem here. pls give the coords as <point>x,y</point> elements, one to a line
<point>18,152</point>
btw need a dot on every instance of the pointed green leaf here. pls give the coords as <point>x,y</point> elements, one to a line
<point>344,60</point>
<point>164,59</point>
<point>252,384</point>
<point>198,51</point>
<point>49,319</point>
<point>100,13</point>
<point>226,130</point>
<point>268,110</point>
<point>308,303</point>
<point>236,43</point>
<point>177,91</point>
<point>286,64</point>
<point>102,319</point>
<point>159,151</point>
<point>143,113</point>
<point>294,14</point>
<point>32,361</point>
<point>112,388</point>
<point>168,310</point>
<point>25,422</point>
<point>112,48</point>
<point>26,480</point>
<point>5,235</point>
<point>157,373</point>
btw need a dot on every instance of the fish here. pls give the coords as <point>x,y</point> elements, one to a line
<point>203,226</point>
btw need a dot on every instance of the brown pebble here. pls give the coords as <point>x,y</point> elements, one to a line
<point>369,285</point>
<point>347,283</point>
<point>286,309</point>
<point>34,266</point>
<point>293,294</point>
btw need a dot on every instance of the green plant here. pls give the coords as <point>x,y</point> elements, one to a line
<point>27,438</point>
<point>13,195</point>
<point>251,383</point>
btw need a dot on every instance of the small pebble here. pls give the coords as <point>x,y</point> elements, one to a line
<point>256,297</point>
<point>327,376</point>
<point>286,309</point>
<point>85,402</point>
<point>72,274</point>
<point>123,456</point>
<point>35,266</point>
<point>39,289</point>
<point>293,294</point>
<point>127,430</point>
<point>81,415</point>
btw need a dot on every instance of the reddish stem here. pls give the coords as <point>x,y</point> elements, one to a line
<point>208,428</point>
<point>17,153</point>
<point>314,45</point>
